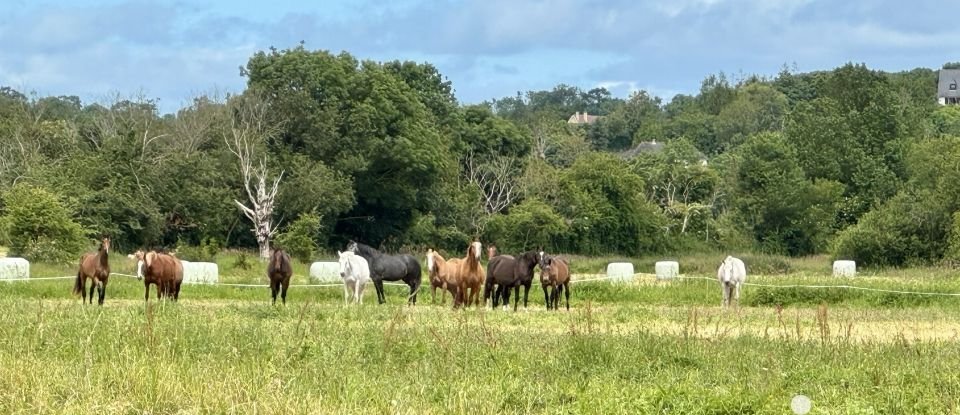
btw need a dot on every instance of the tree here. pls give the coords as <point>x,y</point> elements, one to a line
<point>248,127</point>
<point>771,197</point>
<point>39,227</point>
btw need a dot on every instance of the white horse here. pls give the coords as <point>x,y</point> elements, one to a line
<point>732,273</point>
<point>355,272</point>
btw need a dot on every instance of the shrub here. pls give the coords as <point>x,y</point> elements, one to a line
<point>299,239</point>
<point>206,252</point>
<point>39,227</point>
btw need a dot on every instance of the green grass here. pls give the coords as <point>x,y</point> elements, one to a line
<point>648,347</point>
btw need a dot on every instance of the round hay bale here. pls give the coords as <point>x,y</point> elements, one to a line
<point>667,269</point>
<point>325,272</point>
<point>844,268</point>
<point>620,271</point>
<point>200,272</point>
<point>14,268</point>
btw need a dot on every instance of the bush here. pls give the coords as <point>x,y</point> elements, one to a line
<point>299,239</point>
<point>206,252</point>
<point>39,228</point>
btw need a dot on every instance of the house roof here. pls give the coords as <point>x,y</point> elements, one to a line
<point>949,77</point>
<point>582,118</point>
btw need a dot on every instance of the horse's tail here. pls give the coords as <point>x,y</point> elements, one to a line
<point>78,283</point>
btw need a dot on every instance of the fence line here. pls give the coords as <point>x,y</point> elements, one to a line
<point>537,282</point>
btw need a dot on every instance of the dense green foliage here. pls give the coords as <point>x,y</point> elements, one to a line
<point>38,227</point>
<point>852,161</point>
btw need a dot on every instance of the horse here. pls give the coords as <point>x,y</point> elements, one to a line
<point>94,266</point>
<point>491,251</point>
<point>731,274</point>
<point>555,273</point>
<point>164,270</point>
<point>471,274</point>
<point>384,267</point>
<point>355,272</point>
<point>506,272</point>
<point>441,272</point>
<point>279,271</point>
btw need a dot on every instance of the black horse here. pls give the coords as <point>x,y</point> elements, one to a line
<point>505,272</point>
<point>383,267</point>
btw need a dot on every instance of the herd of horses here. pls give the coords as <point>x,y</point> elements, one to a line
<point>360,264</point>
<point>465,278</point>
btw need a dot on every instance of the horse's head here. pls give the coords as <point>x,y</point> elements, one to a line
<point>546,263</point>
<point>345,266</point>
<point>726,269</point>
<point>474,250</point>
<point>105,244</point>
<point>352,246</point>
<point>149,258</point>
<point>529,259</point>
<point>491,251</point>
<point>430,260</point>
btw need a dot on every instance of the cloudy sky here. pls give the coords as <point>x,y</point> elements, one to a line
<point>173,50</point>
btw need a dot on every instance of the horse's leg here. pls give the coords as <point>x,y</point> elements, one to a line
<point>526,293</point>
<point>546,297</point>
<point>736,295</point>
<point>726,295</point>
<point>83,290</point>
<point>283,294</point>
<point>93,285</point>
<point>381,297</point>
<point>506,297</point>
<point>102,288</point>
<point>566,292</point>
<point>358,292</point>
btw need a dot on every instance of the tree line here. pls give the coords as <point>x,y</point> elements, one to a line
<point>321,148</point>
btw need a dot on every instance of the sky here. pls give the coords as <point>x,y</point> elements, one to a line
<point>175,50</point>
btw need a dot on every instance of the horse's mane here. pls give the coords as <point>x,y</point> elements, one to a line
<point>366,249</point>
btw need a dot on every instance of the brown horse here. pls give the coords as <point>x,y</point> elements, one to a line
<point>163,270</point>
<point>505,272</point>
<point>95,266</point>
<point>279,271</point>
<point>555,273</point>
<point>445,275</point>
<point>471,274</point>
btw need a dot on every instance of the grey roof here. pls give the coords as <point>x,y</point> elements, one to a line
<point>948,77</point>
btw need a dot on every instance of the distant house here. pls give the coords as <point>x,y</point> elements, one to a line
<point>947,90</point>
<point>582,118</point>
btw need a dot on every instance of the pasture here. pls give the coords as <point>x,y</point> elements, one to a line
<point>644,347</point>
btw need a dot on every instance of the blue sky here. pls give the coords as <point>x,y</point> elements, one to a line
<point>173,50</point>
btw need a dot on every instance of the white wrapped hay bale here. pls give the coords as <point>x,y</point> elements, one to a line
<point>200,272</point>
<point>620,271</point>
<point>325,272</point>
<point>844,268</point>
<point>14,268</point>
<point>667,270</point>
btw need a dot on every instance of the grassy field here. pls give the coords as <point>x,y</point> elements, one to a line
<point>645,347</point>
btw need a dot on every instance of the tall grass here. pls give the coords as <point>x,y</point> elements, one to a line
<point>648,347</point>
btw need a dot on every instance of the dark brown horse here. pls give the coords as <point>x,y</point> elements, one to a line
<point>95,266</point>
<point>505,272</point>
<point>554,273</point>
<point>279,271</point>
<point>163,270</point>
<point>491,251</point>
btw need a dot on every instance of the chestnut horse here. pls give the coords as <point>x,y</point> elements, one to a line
<point>471,274</point>
<point>163,270</point>
<point>94,266</point>
<point>279,271</point>
<point>444,274</point>
<point>555,273</point>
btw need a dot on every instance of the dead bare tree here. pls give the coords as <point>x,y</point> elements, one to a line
<point>497,180</point>
<point>248,127</point>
